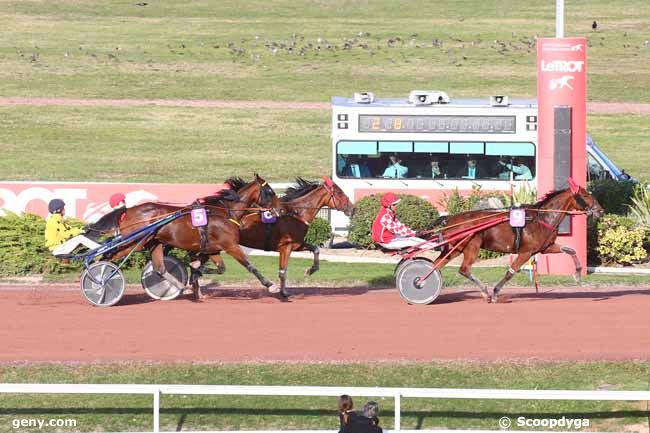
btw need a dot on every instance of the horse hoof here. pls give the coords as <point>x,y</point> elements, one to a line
<point>493,300</point>
<point>485,295</point>
<point>577,277</point>
<point>274,289</point>
<point>285,293</point>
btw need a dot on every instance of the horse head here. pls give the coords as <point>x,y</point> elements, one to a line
<point>584,201</point>
<point>267,196</point>
<point>337,198</point>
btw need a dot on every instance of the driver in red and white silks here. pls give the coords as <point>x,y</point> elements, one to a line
<point>388,231</point>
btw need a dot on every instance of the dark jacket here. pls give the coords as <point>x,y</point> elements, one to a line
<point>479,173</point>
<point>357,423</point>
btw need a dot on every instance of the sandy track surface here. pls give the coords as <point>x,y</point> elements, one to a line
<point>593,107</point>
<point>54,323</point>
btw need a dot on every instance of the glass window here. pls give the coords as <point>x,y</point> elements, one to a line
<point>595,169</point>
<point>436,160</point>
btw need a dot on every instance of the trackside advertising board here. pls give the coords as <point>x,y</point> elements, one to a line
<point>89,201</point>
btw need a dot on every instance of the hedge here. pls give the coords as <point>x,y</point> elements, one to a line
<point>615,239</point>
<point>413,211</point>
<point>319,232</point>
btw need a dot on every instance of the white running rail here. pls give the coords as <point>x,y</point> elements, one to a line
<point>323,391</point>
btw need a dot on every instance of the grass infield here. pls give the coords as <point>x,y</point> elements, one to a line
<point>334,274</point>
<point>207,145</point>
<point>133,413</point>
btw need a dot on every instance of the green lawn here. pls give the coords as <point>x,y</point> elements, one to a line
<point>193,145</point>
<point>133,413</point>
<point>300,50</point>
<point>373,275</point>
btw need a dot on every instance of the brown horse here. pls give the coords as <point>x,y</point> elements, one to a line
<point>538,236</point>
<point>221,234</point>
<point>299,207</point>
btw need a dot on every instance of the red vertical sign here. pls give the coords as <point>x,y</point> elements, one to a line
<point>562,81</point>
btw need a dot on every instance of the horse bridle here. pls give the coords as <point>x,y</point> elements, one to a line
<point>331,199</point>
<point>588,210</point>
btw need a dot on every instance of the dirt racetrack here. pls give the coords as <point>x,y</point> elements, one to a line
<point>54,323</point>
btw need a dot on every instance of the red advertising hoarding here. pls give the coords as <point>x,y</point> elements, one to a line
<point>561,82</point>
<point>89,201</point>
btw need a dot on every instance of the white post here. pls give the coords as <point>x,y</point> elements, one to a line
<point>398,411</point>
<point>559,18</point>
<point>156,411</point>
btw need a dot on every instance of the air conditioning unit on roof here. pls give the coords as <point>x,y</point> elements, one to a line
<point>428,97</point>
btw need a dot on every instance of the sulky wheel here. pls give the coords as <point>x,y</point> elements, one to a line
<point>412,288</point>
<point>159,288</point>
<point>102,284</point>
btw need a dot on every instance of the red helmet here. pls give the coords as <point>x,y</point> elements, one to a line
<point>389,199</point>
<point>116,199</point>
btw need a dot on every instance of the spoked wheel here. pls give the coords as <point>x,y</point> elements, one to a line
<point>102,284</point>
<point>413,288</point>
<point>159,288</point>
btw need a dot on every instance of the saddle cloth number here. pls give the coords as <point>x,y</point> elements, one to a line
<point>268,217</point>
<point>517,217</point>
<point>199,217</point>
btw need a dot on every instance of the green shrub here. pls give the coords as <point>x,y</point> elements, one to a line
<point>613,196</point>
<point>22,247</point>
<point>319,232</point>
<point>526,194</point>
<point>639,210</point>
<point>23,251</point>
<point>413,211</point>
<point>456,203</point>
<point>619,241</point>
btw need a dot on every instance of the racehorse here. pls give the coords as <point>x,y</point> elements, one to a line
<point>224,210</point>
<point>299,207</point>
<point>538,235</point>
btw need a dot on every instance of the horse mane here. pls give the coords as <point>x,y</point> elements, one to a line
<point>549,196</point>
<point>235,182</point>
<point>302,187</point>
<point>106,223</point>
<point>224,194</point>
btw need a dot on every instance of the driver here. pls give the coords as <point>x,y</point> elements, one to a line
<point>60,238</point>
<point>389,232</point>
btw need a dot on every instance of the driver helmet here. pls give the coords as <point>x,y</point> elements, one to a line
<point>55,205</point>
<point>389,199</point>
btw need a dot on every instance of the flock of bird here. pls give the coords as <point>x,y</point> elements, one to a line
<point>456,49</point>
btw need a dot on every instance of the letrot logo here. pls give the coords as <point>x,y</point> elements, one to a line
<point>577,47</point>
<point>562,66</point>
<point>561,83</point>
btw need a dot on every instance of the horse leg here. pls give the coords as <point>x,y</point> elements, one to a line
<point>218,262</point>
<point>157,259</point>
<point>470,253</point>
<point>236,252</point>
<point>512,270</point>
<point>316,265</point>
<point>196,271</point>
<point>285,252</point>
<point>557,248</point>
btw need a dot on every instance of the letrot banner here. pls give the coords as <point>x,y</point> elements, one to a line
<point>561,82</point>
<point>89,201</point>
